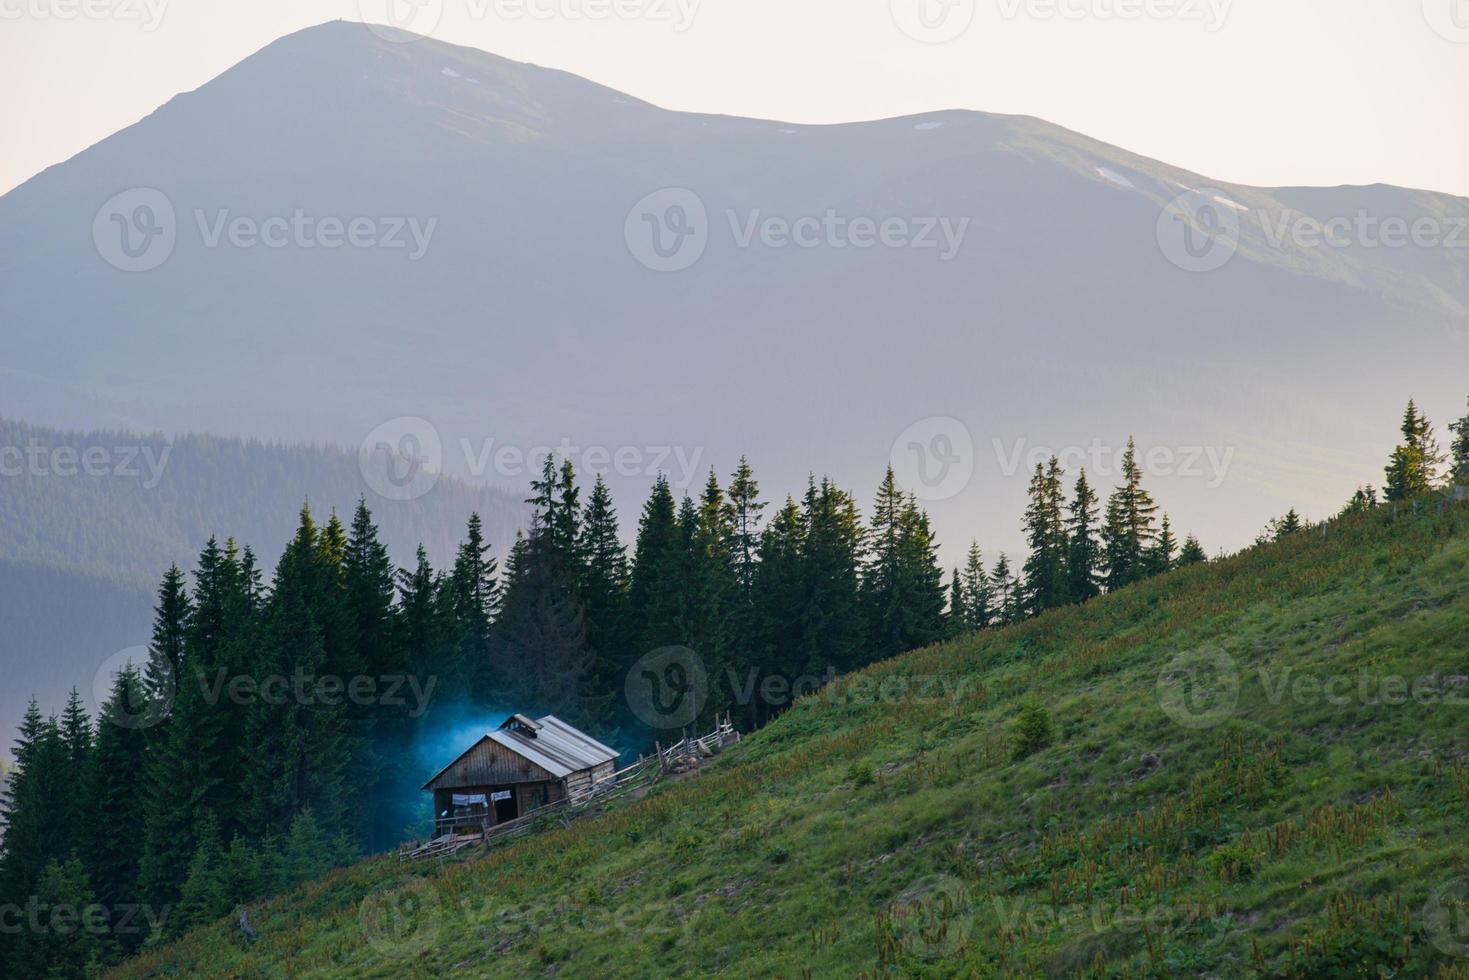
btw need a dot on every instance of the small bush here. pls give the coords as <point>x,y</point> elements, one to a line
<point>1033,731</point>
<point>1233,862</point>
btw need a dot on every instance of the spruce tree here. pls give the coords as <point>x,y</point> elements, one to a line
<point>830,610</point>
<point>380,769</point>
<point>902,584</point>
<point>956,616</point>
<point>166,652</point>
<point>187,764</point>
<point>1163,555</point>
<point>1413,468</point>
<point>779,602</point>
<point>297,750</point>
<point>30,836</point>
<point>1192,553</point>
<point>603,587</point>
<point>1128,532</point>
<point>1459,452</point>
<point>1084,549</point>
<point>473,598</point>
<point>654,594</point>
<point>979,593</point>
<point>63,945</point>
<point>1046,579</point>
<point>116,790</point>
<point>205,895</point>
<point>76,732</point>
<point>1009,603</point>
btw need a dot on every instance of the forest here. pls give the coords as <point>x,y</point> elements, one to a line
<point>271,733</point>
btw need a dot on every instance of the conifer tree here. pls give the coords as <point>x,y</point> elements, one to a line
<point>116,790</point>
<point>1413,469</point>
<point>297,750</point>
<point>979,593</point>
<point>166,652</point>
<point>957,614</point>
<point>603,587</point>
<point>1363,500</point>
<point>242,873</point>
<point>1009,605</point>
<point>37,792</point>
<point>1163,556</point>
<point>779,602</point>
<point>830,612</point>
<point>1046,580</point>
<point>1128,532</point>
<point>380,770</point>
<point>62,946</point>
<point>902,584</point>
<point>187,763</point>
<point>1084,549</point>
<point>76,732</point>
<point>472,600</point>
<point>655,591</point>
<point>204,896</point>
<point>1192,553</point>
<point>1459,452</point>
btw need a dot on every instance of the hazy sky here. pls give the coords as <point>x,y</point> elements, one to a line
<point>1253,91</point>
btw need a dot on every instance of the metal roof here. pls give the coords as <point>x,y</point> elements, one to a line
<point>557,747</point>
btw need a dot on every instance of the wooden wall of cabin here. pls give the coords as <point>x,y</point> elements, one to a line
<point>489,763</point>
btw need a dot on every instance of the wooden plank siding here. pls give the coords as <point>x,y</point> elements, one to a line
<point>489,764</point>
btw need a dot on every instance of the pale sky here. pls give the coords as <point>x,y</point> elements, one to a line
<point>1249,91</point>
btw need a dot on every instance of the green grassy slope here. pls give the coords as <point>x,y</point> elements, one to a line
<point>885,826</point>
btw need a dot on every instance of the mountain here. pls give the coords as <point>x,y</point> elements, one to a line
<point>1250,767</point>
<point>84,540</point>
<point>506,288</point>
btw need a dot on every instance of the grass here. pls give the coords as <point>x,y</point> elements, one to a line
<point>1254,767</point>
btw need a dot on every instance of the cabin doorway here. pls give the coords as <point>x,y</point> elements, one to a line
<point>505,809</point>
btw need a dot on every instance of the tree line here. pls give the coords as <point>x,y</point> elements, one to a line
<point>191,794</point>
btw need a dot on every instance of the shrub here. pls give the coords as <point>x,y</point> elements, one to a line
<point>1033,731</point>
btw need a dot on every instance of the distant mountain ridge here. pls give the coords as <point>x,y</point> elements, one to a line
<point>532,315</point>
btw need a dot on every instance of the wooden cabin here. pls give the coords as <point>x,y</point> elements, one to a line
<point>521,767</point>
